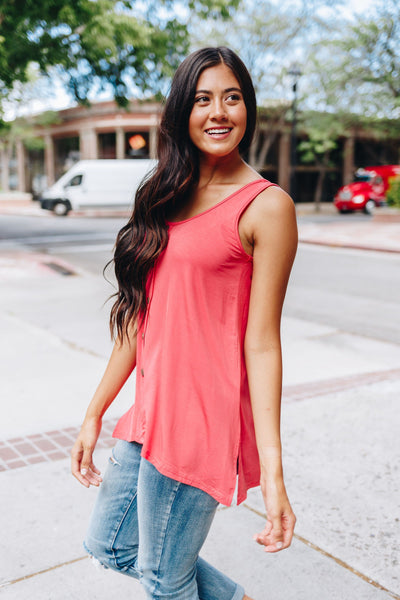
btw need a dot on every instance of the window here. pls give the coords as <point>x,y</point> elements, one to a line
<point>76,180</point>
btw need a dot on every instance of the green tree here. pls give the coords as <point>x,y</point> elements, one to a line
<point>323,131</point>
<point>270,38</point>
<point>108,42</point>
<point>393,193</point>
<point>358,67</point>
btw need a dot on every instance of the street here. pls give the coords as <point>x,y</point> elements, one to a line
<point>354,291</point>
<point>341,345</point>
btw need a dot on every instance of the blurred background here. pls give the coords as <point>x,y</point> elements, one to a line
<point>85,81</point>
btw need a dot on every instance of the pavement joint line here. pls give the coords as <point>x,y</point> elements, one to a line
<point>43,571</point>
<point>298,537</point>
<point>337,560</point>
<point>41,331</point>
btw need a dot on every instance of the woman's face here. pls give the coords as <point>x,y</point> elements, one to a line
<point>218,119</point>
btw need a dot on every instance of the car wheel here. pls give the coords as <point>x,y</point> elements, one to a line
<point>369,207</point>
<point>61,209</point>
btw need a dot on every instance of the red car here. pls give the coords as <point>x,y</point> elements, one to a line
<point>367,191</point>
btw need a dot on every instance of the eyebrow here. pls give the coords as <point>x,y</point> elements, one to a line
<point>232,89</point>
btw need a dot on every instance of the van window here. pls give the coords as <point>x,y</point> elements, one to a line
<point>76,180</point>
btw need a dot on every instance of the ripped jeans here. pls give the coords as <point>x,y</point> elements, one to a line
<point>171,520</point>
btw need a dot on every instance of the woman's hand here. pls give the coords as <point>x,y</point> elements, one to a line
<point>82,466</point>
<point>278,531</point>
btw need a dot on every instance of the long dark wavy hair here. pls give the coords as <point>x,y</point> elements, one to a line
<point>141,241</point>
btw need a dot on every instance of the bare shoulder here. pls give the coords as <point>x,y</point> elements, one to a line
<point>272,214</point>
<point>273,203</point>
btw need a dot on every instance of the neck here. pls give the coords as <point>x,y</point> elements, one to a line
<point>219,169</point>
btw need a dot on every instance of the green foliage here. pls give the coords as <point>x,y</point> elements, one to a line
<point>48,117</point>
<point>104,41</point>
<point>323,131</point>
<point>356,67</point>
<point>393,193</point>
<point>25,129</point>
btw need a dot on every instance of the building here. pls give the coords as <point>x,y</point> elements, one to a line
<point>104,130</point>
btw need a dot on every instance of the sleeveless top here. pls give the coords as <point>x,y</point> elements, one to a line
<point>192,410</point>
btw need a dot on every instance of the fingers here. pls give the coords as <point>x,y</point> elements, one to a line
<point>277,534</point>
<point>90,476</point>
<point>82,466</point>
<point>271,537</point>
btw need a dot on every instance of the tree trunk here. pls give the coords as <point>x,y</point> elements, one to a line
<point>323,166</point>
<point>253,150</point>
<point>269,139</point>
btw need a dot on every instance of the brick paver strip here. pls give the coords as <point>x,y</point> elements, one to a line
<point>330,386</point>
<point>57,444</point>
<point>7,453</point>
<point>25,448</point>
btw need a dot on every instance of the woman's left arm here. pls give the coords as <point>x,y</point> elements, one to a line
<point>272,222</point>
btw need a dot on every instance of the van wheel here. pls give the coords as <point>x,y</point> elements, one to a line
<point>61,209</point>
<point>369,207</point>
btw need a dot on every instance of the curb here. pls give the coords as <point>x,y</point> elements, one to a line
<point>349,246</point>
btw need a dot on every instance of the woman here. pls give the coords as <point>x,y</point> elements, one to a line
<point>202,268</point>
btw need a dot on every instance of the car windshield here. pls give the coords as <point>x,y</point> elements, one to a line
<point>364,177</point>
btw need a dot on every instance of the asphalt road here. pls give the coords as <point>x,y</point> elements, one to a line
<point>355,291</point>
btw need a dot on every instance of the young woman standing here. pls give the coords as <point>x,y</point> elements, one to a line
<point>202,268</point>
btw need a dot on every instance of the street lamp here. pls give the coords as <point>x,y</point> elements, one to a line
<point>295,73</point>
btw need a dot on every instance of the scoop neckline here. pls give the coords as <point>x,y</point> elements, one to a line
<point>204,212</point>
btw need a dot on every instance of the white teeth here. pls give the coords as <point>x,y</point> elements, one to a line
<point>218,130</point>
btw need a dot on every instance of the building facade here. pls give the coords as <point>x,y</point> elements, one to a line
<point>104,130</point>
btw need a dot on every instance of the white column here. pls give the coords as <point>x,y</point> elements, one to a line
<point>153,136</point>
<point>120,143</point>
<point>88,144</point>
<point>5,170</point>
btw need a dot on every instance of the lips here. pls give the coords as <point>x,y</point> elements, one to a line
<point>218,130</point>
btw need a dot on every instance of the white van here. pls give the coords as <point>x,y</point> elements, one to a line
<point>96,184</point>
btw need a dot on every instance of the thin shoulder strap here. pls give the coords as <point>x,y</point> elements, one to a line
<point>250,192</point>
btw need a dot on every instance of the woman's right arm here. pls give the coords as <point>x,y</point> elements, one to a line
<point>120,366</point>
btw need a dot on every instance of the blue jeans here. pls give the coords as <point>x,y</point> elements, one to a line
<point>171,520</point>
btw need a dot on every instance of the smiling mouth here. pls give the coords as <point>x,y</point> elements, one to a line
<point>218,130</point>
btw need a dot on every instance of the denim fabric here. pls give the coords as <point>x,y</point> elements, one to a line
<point>172,521</point>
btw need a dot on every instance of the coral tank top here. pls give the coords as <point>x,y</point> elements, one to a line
<point>192,410</point>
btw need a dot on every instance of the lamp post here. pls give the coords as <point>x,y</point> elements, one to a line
<point>295,73</point>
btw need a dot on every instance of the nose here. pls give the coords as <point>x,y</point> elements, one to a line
<point>218,110</point>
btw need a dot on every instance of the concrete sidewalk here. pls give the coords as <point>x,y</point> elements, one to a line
<point>342,454</point>
<point>377,235</point>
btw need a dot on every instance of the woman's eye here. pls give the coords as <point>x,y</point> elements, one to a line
<point>234,97</point>
<point>201,100</point>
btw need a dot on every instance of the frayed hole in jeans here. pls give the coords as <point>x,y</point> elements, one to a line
<point>113,460</point>
<point>96,563</point>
